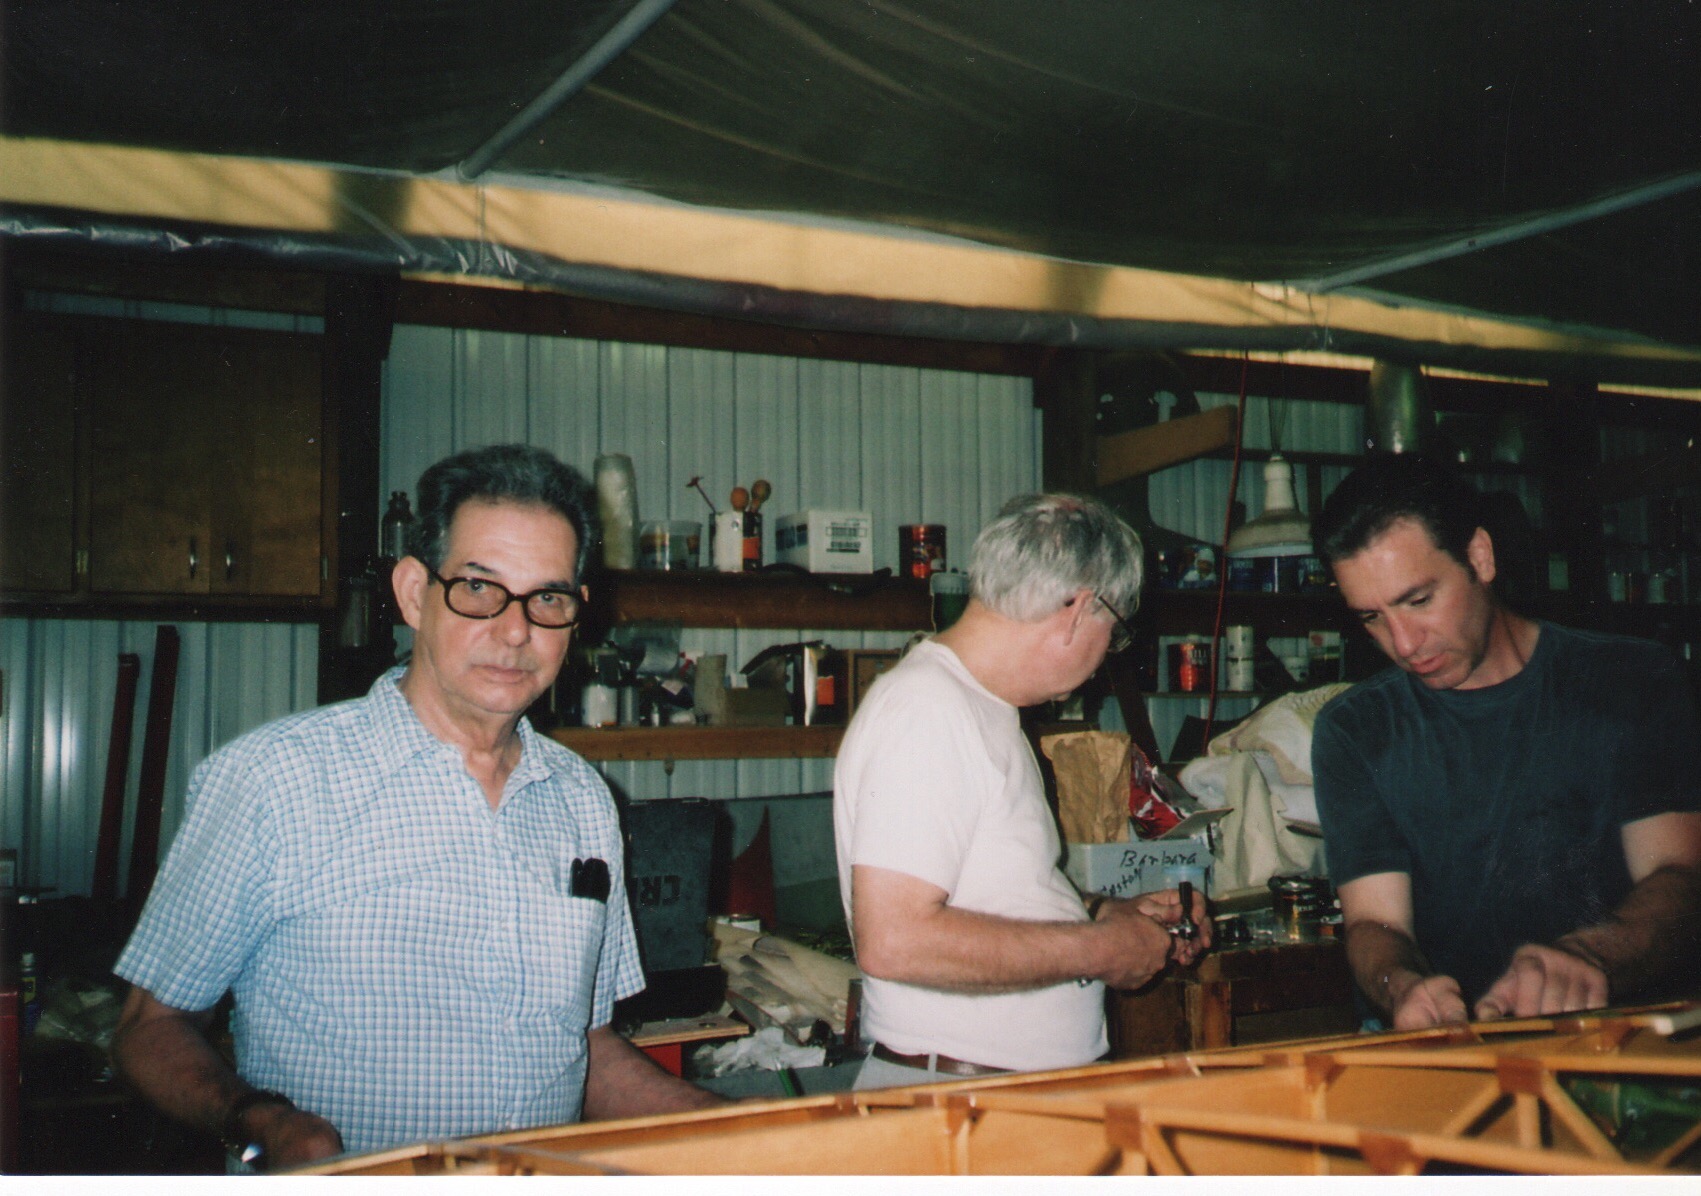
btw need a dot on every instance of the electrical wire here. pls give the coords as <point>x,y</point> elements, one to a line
<point>1222,551</point>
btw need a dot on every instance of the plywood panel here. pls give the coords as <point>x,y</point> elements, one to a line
<point>915,1142</point>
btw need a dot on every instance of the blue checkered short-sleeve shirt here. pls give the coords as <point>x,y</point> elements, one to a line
<point>406,961</point>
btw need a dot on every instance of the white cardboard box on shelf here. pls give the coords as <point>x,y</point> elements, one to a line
<point>1146,865</point>
<point>826,541</point>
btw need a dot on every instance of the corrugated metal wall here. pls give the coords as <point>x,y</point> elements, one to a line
<point>60,678</point>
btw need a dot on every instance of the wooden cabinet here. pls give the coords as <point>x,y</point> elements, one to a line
<point>38,453</point>
<point>194,460</point>
<point>770,600</point>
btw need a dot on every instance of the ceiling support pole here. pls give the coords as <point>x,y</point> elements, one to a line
<point>627,30</point>
<point>1501,236</point>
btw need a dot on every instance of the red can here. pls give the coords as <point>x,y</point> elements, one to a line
<point>1190,666</point>
<point>921,549</point>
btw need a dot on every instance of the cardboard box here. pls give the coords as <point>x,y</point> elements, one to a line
<point>826,541</point>
<point>862,666</point>
<point>1137,866</point>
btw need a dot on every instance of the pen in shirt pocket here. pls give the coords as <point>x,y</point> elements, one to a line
<point>589,878</point>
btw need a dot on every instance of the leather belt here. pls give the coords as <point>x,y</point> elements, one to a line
<point>943,1064</point>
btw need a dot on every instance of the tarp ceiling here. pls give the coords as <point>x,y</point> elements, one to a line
<point>1534,166</point>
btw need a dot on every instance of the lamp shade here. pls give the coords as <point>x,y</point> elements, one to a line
<point>1281,530</point>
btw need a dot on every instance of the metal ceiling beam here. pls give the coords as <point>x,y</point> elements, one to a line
<point>627,30</point>
<point>1514,232</point>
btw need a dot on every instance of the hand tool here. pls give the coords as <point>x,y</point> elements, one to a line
<point>1186,930</point>
<point>696,484</point>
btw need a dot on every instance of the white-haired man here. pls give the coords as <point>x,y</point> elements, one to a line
<point>979,955</point>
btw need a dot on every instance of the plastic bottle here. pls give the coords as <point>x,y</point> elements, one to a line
<point>617,507</point>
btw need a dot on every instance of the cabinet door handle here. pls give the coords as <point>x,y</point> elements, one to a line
<point>229,559</point>
<point>194,557</point>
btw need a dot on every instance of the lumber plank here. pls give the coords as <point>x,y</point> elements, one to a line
<point>1158,446</point>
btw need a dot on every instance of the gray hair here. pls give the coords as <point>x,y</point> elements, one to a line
<point>1042,548</point>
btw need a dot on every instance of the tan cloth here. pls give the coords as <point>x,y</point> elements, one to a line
<point>1261,769</point>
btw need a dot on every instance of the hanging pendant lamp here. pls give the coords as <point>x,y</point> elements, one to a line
<point>1281,530</point>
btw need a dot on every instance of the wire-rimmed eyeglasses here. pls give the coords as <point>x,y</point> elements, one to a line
<point>481,598</point>
<point>1124,633</point>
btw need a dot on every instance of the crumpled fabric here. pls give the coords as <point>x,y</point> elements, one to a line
<point>768,1048</point>
<point>1261,769</point>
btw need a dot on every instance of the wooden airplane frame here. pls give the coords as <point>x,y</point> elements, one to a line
<point>1491,1098</point>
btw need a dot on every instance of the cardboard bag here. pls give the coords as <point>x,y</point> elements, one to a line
<point>1092,784</point>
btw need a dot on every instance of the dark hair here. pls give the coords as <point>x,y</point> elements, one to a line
<point>1398,486</point>
<point>500,472</point>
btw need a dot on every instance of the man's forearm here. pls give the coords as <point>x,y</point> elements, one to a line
<point>171,1063</point>
<point>1384,961</point>
<point>621,1081</point>
<point>965,951</point>
<point>1653,932</point>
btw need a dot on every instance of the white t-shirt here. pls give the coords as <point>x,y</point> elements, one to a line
<point>936,780</point>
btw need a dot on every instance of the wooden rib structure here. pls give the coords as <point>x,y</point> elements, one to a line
<point>1493,1098</point>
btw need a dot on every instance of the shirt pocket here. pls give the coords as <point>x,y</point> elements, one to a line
<point>561,948</point>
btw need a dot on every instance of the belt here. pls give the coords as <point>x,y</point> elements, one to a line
<point>943,1064</point>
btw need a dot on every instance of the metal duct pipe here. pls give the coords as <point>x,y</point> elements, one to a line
<point>1398,416</point>
<point>630,27</point>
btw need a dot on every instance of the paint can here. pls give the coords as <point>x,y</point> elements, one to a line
<point>1190,666</point>
<point>921,550</point>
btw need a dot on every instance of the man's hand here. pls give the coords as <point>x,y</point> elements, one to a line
<point>1165,908</point>
<point>1419,1002</point>
<point>290,1137</point>
<point>1142,946</point>
<point>1543,980</point>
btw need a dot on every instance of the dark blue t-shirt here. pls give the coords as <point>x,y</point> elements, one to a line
<point>1504,804</point>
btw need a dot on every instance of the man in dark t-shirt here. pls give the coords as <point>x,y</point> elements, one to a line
<point>1513,815</point>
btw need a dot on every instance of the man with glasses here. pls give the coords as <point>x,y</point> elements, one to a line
<point>416,901</point>
<point>978,955</point>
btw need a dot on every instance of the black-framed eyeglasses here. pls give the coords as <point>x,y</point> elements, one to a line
<point>481,598</point>
<point>1124,633</point>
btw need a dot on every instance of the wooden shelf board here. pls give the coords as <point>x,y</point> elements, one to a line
<point>700,743</point>
<point>700,598</point>
<point>688,1029</point>
<point>1184,612</point>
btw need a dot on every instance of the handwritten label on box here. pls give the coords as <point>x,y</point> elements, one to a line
<point>1138,866</point>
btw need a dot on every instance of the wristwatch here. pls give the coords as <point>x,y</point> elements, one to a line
<point>235,1140</point>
